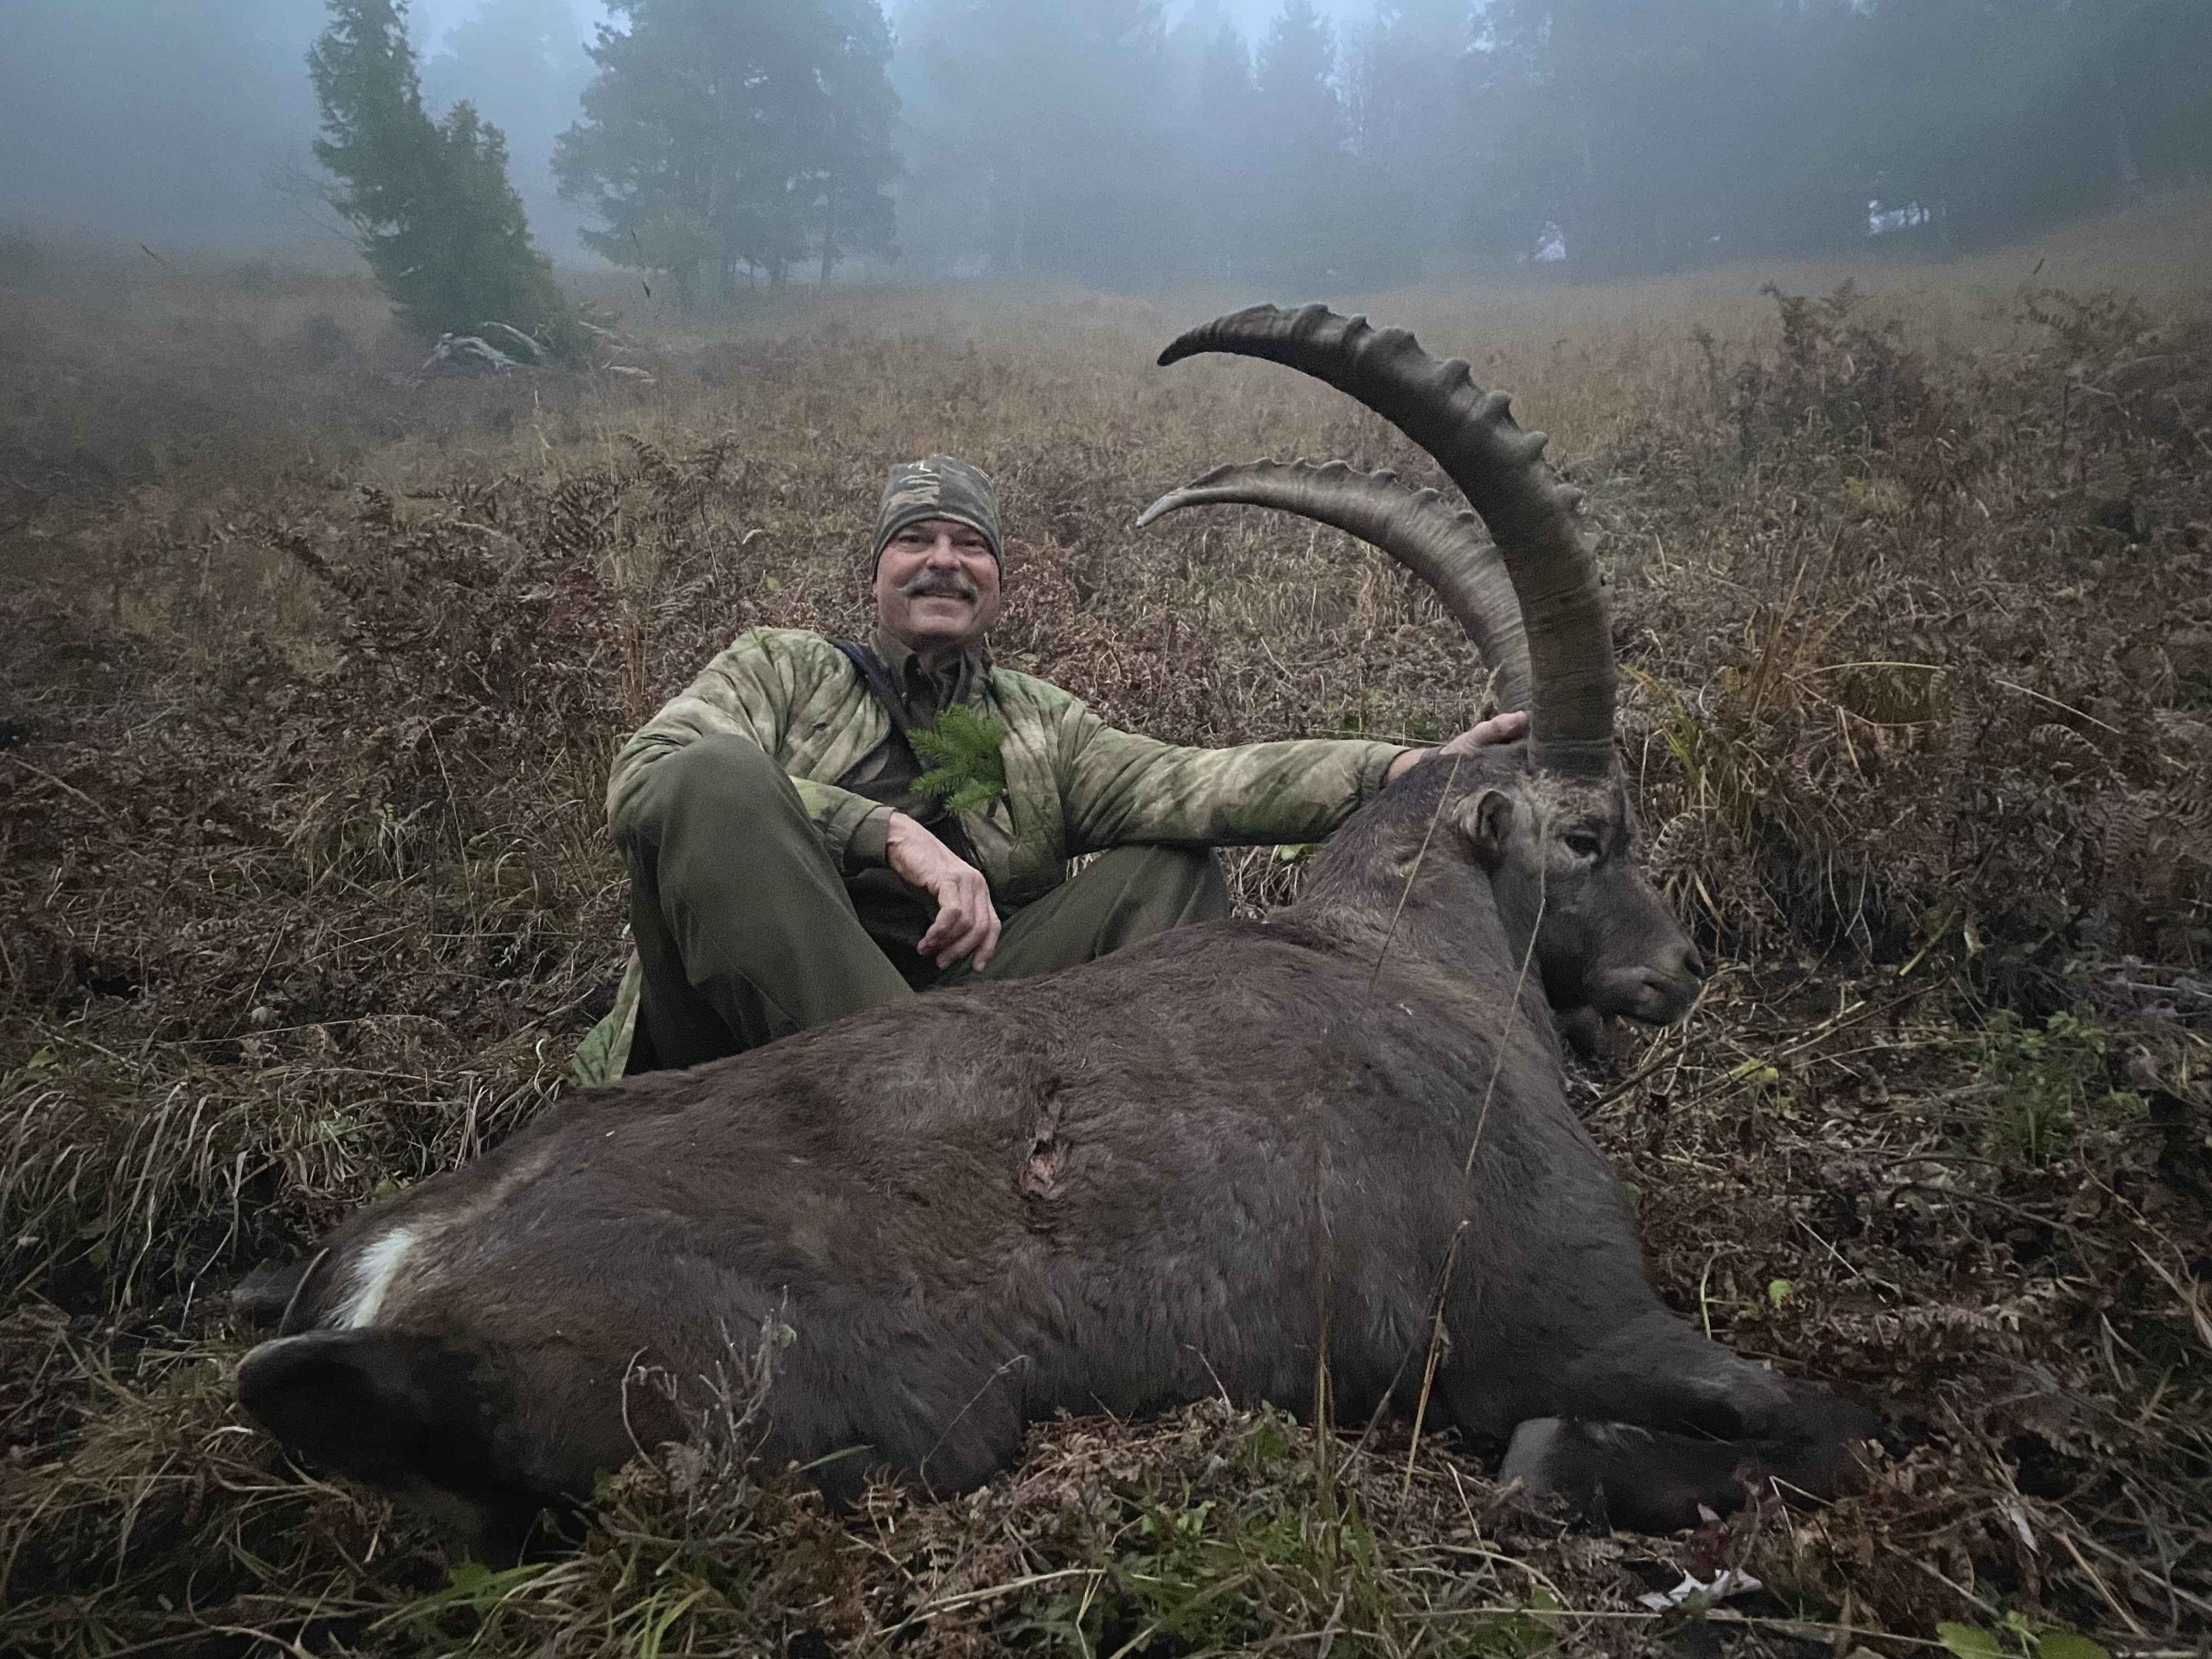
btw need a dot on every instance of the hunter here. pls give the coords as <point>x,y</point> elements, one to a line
<point>814,825</point>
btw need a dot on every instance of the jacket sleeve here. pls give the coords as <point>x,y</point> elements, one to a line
<point>749,690</point>
<point>1117,787</point>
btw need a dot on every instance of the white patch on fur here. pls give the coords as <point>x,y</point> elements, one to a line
<point>373,1272</point>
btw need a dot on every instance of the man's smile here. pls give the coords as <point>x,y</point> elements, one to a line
<point>942,585</point>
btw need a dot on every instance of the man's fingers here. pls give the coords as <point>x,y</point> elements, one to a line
<point>953,924</point>
<point>1502,728</point>
<point>974,938</point>
<point>983,937</point>
<point>956,927</point>
<point>966,922</point>
<point>1499,728</point>
<point>951,921</point>
<point>989,947</point>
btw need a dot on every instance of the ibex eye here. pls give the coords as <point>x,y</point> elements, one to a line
<point>1584,845</point>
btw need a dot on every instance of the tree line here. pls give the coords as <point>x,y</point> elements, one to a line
<point>1100,140</point>
<point>716,138</point>
<point>719,144</point>
<point>722,138</point>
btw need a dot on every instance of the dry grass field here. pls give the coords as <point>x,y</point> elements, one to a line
<point>309,680</point>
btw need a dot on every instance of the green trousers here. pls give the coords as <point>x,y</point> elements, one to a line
<point>746,931</point>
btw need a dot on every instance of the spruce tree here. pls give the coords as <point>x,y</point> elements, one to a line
<point>857,158</point>
<point>523,65</point>
<point>725,139</point>
<point>967,763</point>
<point>429,201</point>
<point>1049,134</point>
<point>1294,76</point>
<point>1307,192</point>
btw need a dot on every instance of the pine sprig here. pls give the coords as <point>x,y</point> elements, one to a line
<point>967,771</point>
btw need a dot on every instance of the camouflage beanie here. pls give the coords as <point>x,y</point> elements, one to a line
<point>940,487</point>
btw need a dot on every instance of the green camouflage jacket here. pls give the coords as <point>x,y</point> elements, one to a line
<point>1074,785</point>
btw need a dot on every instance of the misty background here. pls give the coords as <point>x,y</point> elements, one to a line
<point>1127,143</point>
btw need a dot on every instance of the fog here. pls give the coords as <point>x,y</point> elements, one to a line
<point>1129,143</point>
<point>187,123</point>
<point>156,119</point>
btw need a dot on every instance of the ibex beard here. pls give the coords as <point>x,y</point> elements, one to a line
<point>1208,1163</point>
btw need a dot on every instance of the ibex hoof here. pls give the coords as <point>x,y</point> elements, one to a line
<point>1533,1454</point>
<point>1619,1474</point>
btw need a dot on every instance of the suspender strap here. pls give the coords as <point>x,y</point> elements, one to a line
<point>872,675</point>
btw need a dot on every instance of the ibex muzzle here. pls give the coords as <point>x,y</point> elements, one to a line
<point>1213,1161</point>
<point>1561,858</point>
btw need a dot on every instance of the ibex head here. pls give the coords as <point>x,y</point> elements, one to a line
<point>1560,854</point>
<point>1551,826</point>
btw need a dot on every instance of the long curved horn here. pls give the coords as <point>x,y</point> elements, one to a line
<point>1495,464</point>
<point>1446,548</point>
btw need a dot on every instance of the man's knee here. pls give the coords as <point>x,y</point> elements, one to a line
<point>1188,881</point>
<point>724,780</point>
<point>1199,876</point>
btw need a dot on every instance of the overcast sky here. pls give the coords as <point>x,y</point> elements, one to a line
<point>436,17</point>
<point>433,18</point>
<point>1253,15</point>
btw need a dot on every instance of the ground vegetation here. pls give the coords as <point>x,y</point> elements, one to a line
<point>308,695</point>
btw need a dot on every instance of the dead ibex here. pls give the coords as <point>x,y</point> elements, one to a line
<point>1191,1167</point>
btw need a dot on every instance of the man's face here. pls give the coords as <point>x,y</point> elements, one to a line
<point>937,586</point>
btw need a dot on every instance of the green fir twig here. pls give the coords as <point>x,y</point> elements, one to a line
<point>967,769</point>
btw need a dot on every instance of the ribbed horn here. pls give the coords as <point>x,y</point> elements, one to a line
<point>1446,548</point>
<point>1496,465</point>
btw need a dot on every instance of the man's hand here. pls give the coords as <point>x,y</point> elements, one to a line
<point>1499,728</point>
<point>966,922</point>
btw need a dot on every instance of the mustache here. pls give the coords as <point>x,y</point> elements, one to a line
<point>941,584</point>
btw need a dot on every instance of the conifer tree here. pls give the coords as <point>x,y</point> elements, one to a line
<point>1222,146</point>
<point>429,201</point>
<point>1307,191</point>
<point>1046,137</point>
<point>857,157</point>
<point>522,63</point>
<point>967,765</point>
<point>1298,106</point>
<point>728,136</point>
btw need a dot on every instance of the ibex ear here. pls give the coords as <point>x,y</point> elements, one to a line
<point>370,1403</point>
<point>1489,826</point>
<point>399,1410</point>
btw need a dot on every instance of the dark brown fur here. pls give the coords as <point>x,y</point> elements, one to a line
<point>1129,1185</point>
